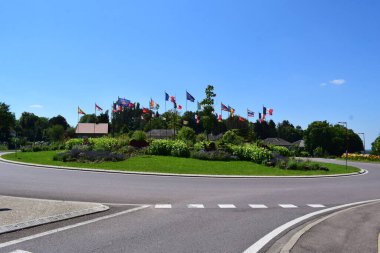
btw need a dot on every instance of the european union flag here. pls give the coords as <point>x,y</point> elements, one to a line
<point>167,96</point>
<point>189,97</point>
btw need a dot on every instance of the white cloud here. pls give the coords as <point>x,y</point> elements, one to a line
<point>36,106</point>
<point>338,81</point>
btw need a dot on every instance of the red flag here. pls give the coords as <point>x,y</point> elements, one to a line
<point>172,99</point>
<point>97,107</point>
<point>179,107</point>
<point>241,119</point>
<point>131,105</point>
<point>220,119</point>
<point>120,108</point>
<point>270,111</point>
<point>145,110</point>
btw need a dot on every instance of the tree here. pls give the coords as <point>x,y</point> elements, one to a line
<point>7,122</point>
<point>376,146</point>
<point>103,118</point>
<point>32,126</point>
<point>55,133</point>
<point>186,134</point>
<point>288,132</point>
<point>59,120</point>
<point>208,119</point>
<point>88,118</point>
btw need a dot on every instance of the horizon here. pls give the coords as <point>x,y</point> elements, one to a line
<point>308,61</point>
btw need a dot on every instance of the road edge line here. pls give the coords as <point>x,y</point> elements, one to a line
<point>53,231</point>
<point>261,243</point>
<point>359,173</point>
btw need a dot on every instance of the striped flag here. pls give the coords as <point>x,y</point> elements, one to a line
<point>250,113</point>
<point>80,111</point>
<point>224,108</point>
<point>97,107</point>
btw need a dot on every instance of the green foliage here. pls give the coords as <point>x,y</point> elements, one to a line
<point>3,147</point>
<point>89,156</point>
<point>58,120</point>
<point>293,164</point>
<point>73,142</point>
<point>288,132</point>
<point>139,136</point>
<point>169,147</point>
<point>201,137</point>
<point>376,146</point>
<point>186,134</point>
<point>104,143</point>
<point>7,123</point>
<point>230,137</point>
<point>251,153</point>
<point>56,133</point>
<point>217,155</point>
<point>281,150</point>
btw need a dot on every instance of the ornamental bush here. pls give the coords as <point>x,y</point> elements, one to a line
<point>186,134</point>
<point>169,147</point>
<point>230,137</point>
<point>251,153</point>
<point>139,136</point>
<point>73,142</point>
<point>103,143</point>
<point>281,150</point>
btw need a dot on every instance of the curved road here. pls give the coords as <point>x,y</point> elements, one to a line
<point>179,228</point>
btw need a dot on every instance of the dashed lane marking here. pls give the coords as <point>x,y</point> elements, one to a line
<point>316,205</point>
<point>288,206</point>
<point>163,206</point>
<point>225,206</point>
<point>256,206</point>
<point>195,206</point>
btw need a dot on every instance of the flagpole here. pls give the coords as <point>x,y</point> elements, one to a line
<point>95,120</point>
<point>186,100</point>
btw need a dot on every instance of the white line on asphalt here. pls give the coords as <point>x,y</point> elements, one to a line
<point>257,206</point>
<point>316,205</point>
<point>226,206</point>
<point>195,206</point>
<point>288,206</point>
<point>20,251</point>
<point>257,246</point>
<point>163,206</point>
<point>28,238</point>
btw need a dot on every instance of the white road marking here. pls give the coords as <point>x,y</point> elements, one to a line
<point>163,206</point>
<point>20,251</point>
<point>316,205</point>
<point>28,238</point>
<point>257,246</point>
<point>226,206</point>
<point>288,206</point>
<point>195,206</point>
<point>257,206</point>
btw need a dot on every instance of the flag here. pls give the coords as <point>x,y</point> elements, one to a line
<point>232,111</point>
<point>80,111</point>
<point>220,119</point>
<point>250,113</point>
<point>152,104</point>
<point>199,106</point>
<point>270,111</point>
<point>259,115</point>
<point>166,96</point>
<point>198,119</point>
<point>241,119</point>
<point>114,107</point>
<point>157,106</point>
<point>123,102</point>
<point>189,97</point>
<point>264,110</point>
<point>179,107</point>
<point>120,108</point>
<point>131,105</point>
<point>145,110</point>
<point>225,108</point>
<point>172,99</point>
<point>97,107</point>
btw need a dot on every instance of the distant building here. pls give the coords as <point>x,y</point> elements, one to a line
<point>277,142</point>
<point>91,129</point>
<point>299,144</point>
<point>161,134</point>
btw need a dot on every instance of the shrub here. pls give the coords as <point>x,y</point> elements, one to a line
<point>230,137</point>
<point>3,147</point>
<point>169,147</point>
<point>281,150</point>
<point>139,136</point>
<point>103,143</point>
<point>304,154</point>
<point>205,145</point>
<point>76,155</point>
<point>251,153</point>
<point>201,137</point>
<point>217,155</point>
<point>73,142</point>
<point>186,134</point>
<point>361,157</point>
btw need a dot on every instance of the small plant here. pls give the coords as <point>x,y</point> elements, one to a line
<point>139,136</point>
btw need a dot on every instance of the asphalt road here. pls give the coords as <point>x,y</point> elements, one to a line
<point>179,228</point>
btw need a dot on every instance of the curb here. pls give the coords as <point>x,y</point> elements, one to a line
<point>51,219</point>
<point>361,172</point>
<point>265,242</point>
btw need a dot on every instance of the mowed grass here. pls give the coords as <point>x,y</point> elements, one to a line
<point>165,164</point>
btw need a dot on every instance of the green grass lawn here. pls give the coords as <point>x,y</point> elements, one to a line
<point>166,164</point>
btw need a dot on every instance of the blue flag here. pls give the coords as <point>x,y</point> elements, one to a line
<point>166,96</point>
<point>189,97</point>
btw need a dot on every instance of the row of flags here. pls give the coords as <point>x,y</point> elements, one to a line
<point>123,103</point>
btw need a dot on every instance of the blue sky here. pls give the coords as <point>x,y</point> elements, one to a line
<point>308,60</point>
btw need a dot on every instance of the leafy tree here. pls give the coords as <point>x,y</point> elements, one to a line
<point>103,117</point>
<point>88,118</point>
<point>376,146</point>
<point>265,129</point>
<point>208,118</point>
<point>288,132</point>
<point>59,120</point>
<point>186,134</point>
<point>32,126</point>
<point>7,122</point>
<point>56,133</point>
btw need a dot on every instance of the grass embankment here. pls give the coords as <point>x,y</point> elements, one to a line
<point>166,164</point>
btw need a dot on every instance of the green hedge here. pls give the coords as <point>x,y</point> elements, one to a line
<point>251,153</point>
<point>281,150</point>
<point>169,148</point>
